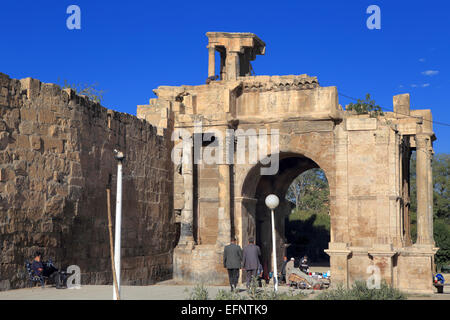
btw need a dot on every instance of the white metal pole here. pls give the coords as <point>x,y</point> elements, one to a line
<point>275,273</point>
<point>118,228</point>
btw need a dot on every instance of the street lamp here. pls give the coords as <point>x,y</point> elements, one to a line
<point>119,156</point>
<point>272,202</point>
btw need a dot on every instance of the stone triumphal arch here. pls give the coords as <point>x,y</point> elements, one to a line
<point>365,160</point>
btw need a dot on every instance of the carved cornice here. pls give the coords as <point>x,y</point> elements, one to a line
<point>283,85</point>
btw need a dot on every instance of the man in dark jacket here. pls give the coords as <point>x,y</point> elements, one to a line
<point>38,268</point>
<point>232,257</point>
<point>250,261</point>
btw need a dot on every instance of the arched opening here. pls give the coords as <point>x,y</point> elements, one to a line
<point>307,225</point>
<point>257,187</point>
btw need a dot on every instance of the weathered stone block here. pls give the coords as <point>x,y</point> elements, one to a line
<point>20,167</point>
<point>402,104</point>
<point>28,114</point>
<point>26,127</point>
<point>53,145</point>
<point>22,141</point>
<point>354,124</point>
<point>36,142</point>
<point>46,116</point>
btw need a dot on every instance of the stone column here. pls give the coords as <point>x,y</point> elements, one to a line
<point>232,65</point>
<point>423,170</point>
<point>212,61</point>
<point>430,192</point>
<point>224,212</point>
<point>187,214</point>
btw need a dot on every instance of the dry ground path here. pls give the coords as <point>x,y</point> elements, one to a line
<point>162,291</point>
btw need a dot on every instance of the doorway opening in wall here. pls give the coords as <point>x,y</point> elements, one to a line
<point>307,225</point>
<point>296,232</point>
<point>411,221</point>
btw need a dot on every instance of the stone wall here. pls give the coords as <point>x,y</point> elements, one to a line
<point>56,158</point>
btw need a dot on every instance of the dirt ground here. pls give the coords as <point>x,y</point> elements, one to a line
<point>167,290</point>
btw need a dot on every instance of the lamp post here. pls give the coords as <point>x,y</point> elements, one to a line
<point>272,202</point>
<point>119,156</point>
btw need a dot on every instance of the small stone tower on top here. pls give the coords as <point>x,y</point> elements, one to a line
<point>236,51</point>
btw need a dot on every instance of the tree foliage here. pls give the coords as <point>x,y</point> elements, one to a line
<point>441,233</point>
<point>367,106</point>
<point>441,186</point>
<point>88,90</point>
<point>310,192</point>
<point>308,226</point>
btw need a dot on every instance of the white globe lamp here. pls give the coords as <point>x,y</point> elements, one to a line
<point>272,202</point>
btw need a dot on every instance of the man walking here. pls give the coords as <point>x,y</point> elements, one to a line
<point>232,257</point>
<point>250,261</point>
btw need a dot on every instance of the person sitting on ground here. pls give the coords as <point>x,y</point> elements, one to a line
<point>304,264</point>
<point>47,270</point>
<point>37,268</point>
<point>289,267</point>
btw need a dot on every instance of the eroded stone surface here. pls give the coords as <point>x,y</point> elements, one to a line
<point>55,161</point>
<point>365,159</point>
<point>56,157</point>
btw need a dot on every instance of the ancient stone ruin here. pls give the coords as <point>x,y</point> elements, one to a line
<point>56,159</point>
<point>55,162</point>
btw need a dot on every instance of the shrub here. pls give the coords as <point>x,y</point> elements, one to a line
<point>359,291</point>
<point>87,90</point>
<point>366,106</point>
<point>267,293</point>
<point>199,292</point>
<point>228,295</point>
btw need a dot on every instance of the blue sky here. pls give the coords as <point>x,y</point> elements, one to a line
<point>130,48</point>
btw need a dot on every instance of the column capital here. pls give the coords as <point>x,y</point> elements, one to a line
<point>422,140</point>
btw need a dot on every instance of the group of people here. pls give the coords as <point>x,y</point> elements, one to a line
<point>234,258</point>
<point>290,265</point>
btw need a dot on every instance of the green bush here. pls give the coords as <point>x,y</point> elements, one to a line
<point>442,239</point>
<point>228,295</point>
<point>199,292</point>
<point>319,219</point>
<point>366,106</point>
<point>267,293</point>
<point>359,291</point>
